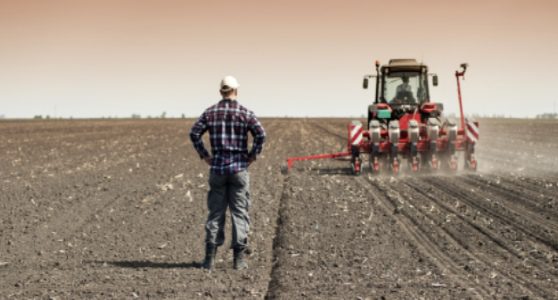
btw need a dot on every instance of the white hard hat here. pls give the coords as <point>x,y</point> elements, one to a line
<point>229,83</point>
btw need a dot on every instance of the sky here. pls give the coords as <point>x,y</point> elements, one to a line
<point>77,58</point>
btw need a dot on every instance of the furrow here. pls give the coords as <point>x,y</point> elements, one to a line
<point>451,188</point>
<point>518,196</point>
<point>464,235</point>
<point>423,241</point>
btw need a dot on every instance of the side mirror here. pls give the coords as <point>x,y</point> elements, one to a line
<point>435,80</point>
<point>365,83</point>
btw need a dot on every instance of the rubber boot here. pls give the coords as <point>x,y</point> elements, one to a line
<point>239,262</point>
<point>210,252</point>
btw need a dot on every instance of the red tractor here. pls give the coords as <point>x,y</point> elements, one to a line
<point>404,125</point>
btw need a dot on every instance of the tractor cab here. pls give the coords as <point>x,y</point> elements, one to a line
<point>402,88</point>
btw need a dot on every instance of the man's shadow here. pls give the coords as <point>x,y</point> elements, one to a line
<point>141,264</point>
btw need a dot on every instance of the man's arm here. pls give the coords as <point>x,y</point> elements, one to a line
<point>196,133</point>
<point>258,133</point>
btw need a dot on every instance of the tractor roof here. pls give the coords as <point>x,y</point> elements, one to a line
<point>404,64</point>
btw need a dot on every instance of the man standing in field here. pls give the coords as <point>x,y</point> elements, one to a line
<point>228,123</point>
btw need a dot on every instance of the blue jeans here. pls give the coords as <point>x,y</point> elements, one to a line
<point>230,191</point>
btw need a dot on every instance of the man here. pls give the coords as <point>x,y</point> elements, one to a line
<point>228,123</point>
<point>404,92</point>
<point>404,86</point>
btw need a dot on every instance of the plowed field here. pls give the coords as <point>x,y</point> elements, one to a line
<point>115,209</point>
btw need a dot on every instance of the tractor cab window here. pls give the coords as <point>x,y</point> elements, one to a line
<point>405,88</point>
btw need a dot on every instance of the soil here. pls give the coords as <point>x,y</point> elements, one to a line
<point>101,209</point>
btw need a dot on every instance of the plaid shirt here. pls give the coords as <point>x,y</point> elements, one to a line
<point>228,123</point>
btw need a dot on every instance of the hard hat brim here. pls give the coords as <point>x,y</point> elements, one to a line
<point>227,89</point>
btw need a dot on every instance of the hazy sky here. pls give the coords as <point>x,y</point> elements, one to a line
<point>299,58</point>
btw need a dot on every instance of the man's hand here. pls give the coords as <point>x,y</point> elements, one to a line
<point>207,160</point>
